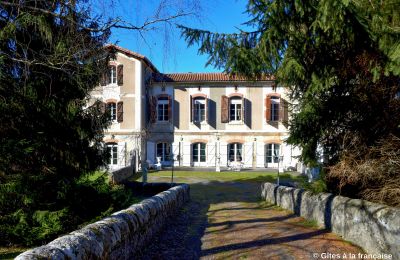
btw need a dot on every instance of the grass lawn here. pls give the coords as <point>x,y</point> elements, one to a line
<point>243,176</point>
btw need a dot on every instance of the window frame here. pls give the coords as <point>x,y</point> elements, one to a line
<point>199,147</point>
<point>237,103</point>
<point>113,74</point>
<point>199,114</point>
<point>165,151</point>
<point>112,108</point>
<point>112,149</point>
<point>163,115</point>
<point>275,108</point>
<point>270,153</point>
<point>236,147</point>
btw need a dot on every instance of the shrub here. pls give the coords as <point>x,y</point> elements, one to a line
<point>86,200</point>
<point>371,173</point>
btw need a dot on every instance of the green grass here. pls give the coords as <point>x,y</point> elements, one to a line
<point>11,252</point>
<point>242,176</point>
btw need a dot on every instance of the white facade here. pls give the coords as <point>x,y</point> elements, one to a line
<point>195,119</point>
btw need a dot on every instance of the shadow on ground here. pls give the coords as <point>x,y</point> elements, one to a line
<point>227,219</point>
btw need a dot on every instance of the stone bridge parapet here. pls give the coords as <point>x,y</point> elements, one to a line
<point>119,236</point>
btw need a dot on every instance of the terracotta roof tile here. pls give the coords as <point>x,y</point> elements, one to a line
<point>134,55</point>
<point>204,77</point>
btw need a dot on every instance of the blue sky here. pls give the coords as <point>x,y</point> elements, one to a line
<point>165,48</point>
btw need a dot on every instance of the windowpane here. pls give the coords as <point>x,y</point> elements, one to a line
<point>115,155</point>
<point>195,152</point>
<point>235,109</point>
<point>272,153</point>
<point>112,108</point>
<point>162,109</point>
<point>235,152</point>
<point>112,151</point>
<point>113,75</point>
<point>199,109</point>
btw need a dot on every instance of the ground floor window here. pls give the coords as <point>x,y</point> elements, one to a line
<point>112,151</point>
<point>272,153</point>
<point>199,152</point>
<point>235,152</point>
<point>164,151</point>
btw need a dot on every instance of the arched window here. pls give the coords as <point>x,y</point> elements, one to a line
<point>272,153</point>
<point>235,152</point>
<point>164,151</point>
<point>112,151</point>
<point>199,152</point>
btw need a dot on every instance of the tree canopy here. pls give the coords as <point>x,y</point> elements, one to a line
<point>340,60</point>
<point>51,57</point>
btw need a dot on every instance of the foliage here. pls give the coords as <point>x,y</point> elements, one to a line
<point>316,186</point>
<point>87,200</point>
<point>372,172</point>
<point>340,61</point>
<point>51,57</point>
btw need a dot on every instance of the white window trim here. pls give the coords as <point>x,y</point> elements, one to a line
<point>165,104</point>
<point>199,101</point>
<point>236,101</point>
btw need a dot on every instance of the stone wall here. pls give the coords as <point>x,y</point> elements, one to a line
<point>374,227</point>
<point>119,236</point>
<point>121,175</point>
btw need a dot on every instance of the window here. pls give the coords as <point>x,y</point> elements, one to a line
<point>272,153</point>
<point>113,75</point>
<point>235,109</point>
<point>164,151</point>
<point>235,152</point>
<point>112,151</point>
<point>163,109</point>
<point>275,102</point>
<point>199,152</point>
<point>112,108</point>
<point>199,109</point>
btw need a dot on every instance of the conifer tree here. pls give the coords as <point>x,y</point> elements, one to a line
<point>340,60</point>
<point>51,57</point>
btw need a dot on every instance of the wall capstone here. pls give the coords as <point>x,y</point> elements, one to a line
<point>374,227</point>
<point>119,236</point>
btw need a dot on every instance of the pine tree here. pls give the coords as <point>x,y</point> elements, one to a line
<point>340,60</point>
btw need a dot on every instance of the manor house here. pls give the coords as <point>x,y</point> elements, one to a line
<point>192,119</point>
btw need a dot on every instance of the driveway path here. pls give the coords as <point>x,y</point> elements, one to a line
<point>227,220</point>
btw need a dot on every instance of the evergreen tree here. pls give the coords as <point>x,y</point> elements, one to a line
<point>340,60</point>
<point>51,57</point>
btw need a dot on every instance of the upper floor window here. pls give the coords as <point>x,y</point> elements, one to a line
<point>164,151</point>
<point>272,153</point>
<point>163,109</point>
<point>112,108</point>
<point>235,109</point>
<point>112,151</point>
<point>199,109</point>
<point>114,75</point>
<point>276,108</point>
<point>116,110</point>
